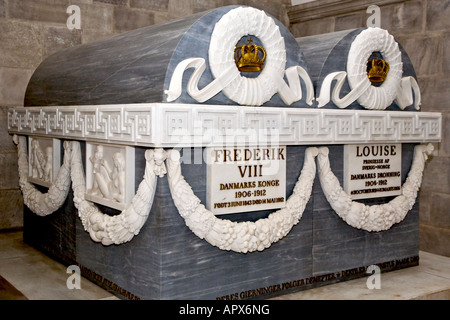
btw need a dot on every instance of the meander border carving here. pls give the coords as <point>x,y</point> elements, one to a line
<point>172,125</point>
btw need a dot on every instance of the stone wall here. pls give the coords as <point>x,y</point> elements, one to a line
<point>31,30</point>
<point>423,29</point>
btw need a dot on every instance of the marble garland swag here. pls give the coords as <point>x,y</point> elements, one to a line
<point>240,237</point>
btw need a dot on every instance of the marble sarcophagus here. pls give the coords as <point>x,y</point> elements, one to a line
<point>218,157</point>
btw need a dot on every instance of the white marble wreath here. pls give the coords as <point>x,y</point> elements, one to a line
<point>394,88</point>
<point>227,32</point>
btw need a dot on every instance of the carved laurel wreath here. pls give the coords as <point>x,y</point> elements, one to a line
<point>232,26</point>
<point>394,88</point>
<point>240,237</point>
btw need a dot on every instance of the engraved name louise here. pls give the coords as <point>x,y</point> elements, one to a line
<point>372,171</point>
<point>246,178</point>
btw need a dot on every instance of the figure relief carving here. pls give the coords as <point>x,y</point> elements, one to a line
<point>108,182</point>
<point>36,160</point>
<point>41,162</point>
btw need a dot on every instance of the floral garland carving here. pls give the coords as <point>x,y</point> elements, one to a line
<point>242,237</point>
<point>43,204</point>
<point>101,227</point>
<point>375,217</point>
<point>246,236</point>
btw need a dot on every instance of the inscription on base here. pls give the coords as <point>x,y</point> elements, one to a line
<point>372,170</point>
<point>241,179</point>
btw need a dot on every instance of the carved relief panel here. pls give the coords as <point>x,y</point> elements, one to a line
<point>110,175</point>
<point>44,156</point>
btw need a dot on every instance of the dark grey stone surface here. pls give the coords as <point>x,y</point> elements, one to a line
<point>127,68</point>
<point>136,66</point>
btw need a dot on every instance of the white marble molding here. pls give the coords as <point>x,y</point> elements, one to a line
<point>183,125</point>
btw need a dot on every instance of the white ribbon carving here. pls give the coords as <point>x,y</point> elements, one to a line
<point>234,25</point>
<point>375,217</point>
<point>43,204</point>
<point>246,236</point>
<point>370,97</point>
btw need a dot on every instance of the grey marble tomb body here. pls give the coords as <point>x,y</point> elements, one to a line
<point>166,260</point>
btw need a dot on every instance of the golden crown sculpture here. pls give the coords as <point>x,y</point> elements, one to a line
<point>247,57</point>
<point>377,70</point>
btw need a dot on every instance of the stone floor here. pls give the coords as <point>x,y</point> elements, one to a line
<point>27,274</point>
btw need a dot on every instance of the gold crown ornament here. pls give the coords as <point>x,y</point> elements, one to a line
<point>247,57</point>
<point>377,70</point>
